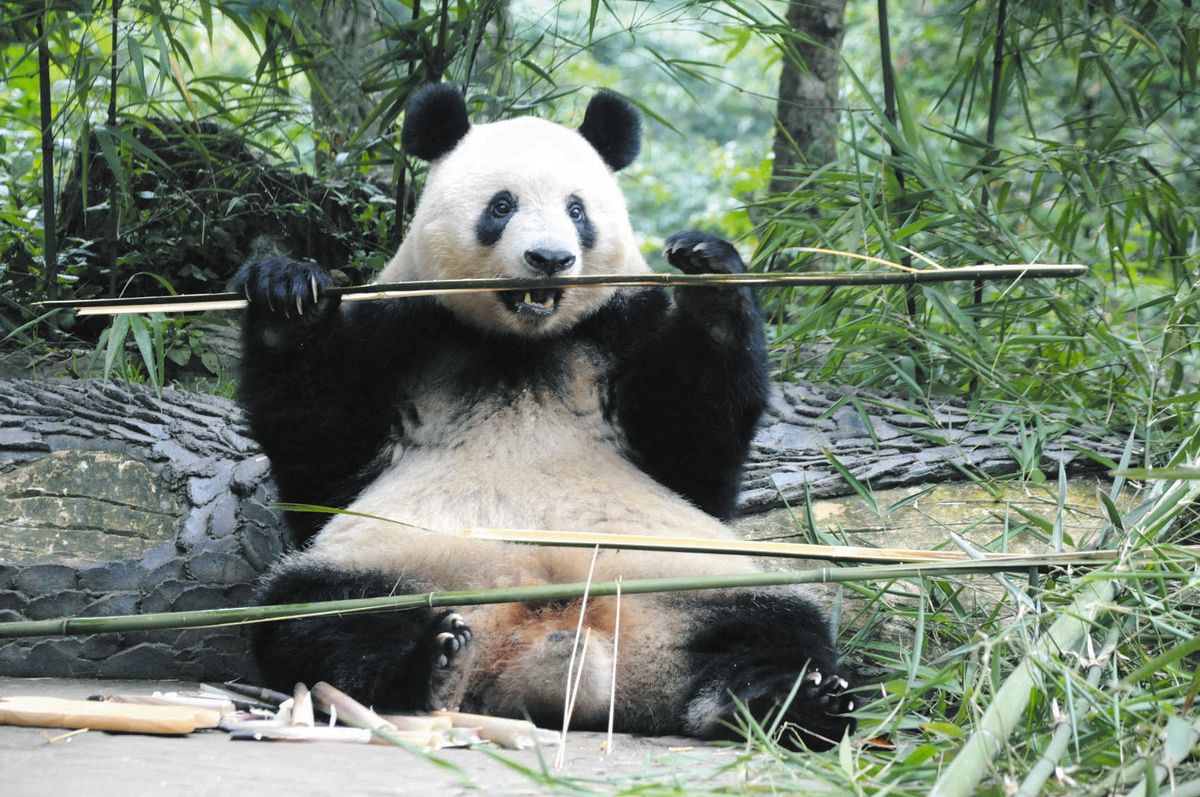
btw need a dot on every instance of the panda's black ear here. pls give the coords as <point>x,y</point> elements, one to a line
<point>434,121</point>
<point>614,127</point>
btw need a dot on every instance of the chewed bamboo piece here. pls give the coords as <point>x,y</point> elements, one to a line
<point>511,734</point>
<point>186,303</point>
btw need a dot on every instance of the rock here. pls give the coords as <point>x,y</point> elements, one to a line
<point>45,579</point>
<point>112,605</point>
<point>215,568</point>
<point>110,577</point>
<point>64,603</point>
<point>99,646</point>
<point>144,660</point>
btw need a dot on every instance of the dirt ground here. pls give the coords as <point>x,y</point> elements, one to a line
<point>32,762</point>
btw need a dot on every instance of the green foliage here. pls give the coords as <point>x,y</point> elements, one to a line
<point>1094,139</point>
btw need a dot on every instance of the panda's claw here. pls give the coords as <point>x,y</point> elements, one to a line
<point>826,694</point>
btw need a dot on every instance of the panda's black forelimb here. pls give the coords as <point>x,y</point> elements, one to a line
<point>747,654</point>
<point>310,386</point>
<point>398,660</point>
<point>692,396</point>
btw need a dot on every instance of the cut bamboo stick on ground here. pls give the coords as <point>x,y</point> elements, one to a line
<point>54,712</point>
<point>185,303</point>
<point>346,709</point>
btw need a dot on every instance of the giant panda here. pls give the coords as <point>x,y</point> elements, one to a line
<point>599,409</point>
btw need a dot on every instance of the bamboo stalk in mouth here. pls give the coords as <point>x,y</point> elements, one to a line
<point>199,302</point>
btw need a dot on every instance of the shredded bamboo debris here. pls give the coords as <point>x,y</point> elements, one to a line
<point>293,720</point>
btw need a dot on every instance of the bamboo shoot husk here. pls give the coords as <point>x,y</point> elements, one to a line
<point>302,707</point>
<point>301,733</point>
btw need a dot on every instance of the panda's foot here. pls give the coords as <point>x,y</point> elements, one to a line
<point>699,253</point>
<point>816,718</point>
<point>820,713</point>
<point>448,651</point>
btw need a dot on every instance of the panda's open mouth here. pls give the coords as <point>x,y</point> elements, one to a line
<point>535,302</point>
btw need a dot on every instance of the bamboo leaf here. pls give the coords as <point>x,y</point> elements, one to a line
<point>861,490</point>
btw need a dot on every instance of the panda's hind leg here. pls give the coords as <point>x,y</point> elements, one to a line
<point>750,652</point>
<point>416,659</point>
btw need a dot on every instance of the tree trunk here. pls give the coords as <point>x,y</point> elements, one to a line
<point>807,121</point>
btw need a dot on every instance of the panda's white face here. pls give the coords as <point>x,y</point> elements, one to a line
<point>520,198</point>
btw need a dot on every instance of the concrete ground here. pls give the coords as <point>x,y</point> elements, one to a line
<point>209,763</point>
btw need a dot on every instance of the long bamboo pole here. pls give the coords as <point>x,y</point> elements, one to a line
<point>66,626</point>
<point>788,550</point>
<point>184,303</point>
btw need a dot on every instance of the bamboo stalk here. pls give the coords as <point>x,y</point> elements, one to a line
<point>183,303</point>
<point>1003,715</point>
<point>1060,741</point>
<point>210,618</point>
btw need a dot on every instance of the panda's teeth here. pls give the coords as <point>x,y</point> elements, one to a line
<point>546,304</point>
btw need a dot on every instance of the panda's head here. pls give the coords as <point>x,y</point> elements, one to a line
<point>519,198</point>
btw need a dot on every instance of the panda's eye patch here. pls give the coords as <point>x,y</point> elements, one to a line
<point>583,225</point>
<point>495,217</point>
<point>502,204</point>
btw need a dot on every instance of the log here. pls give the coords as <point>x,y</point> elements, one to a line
<point>115,500</point>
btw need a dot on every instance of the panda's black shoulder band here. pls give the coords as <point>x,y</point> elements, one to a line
<point>434,121</point>
<point>613,126</point>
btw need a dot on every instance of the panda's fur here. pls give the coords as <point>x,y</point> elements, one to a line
<point>597,409</point>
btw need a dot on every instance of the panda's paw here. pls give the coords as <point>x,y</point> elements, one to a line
<point>699,253</point>
<point>816,717</point>
<point>286,289</point>
<point>449,653</point>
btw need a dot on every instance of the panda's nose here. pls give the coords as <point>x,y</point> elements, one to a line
<point>549,261</point>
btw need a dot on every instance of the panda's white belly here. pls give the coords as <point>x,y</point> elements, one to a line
<point>528,463</point>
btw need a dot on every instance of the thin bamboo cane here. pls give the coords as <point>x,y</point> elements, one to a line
<point>646,542</point>
<point>1060,740</point>
<point>183,303</point>
<point>66,626</point>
